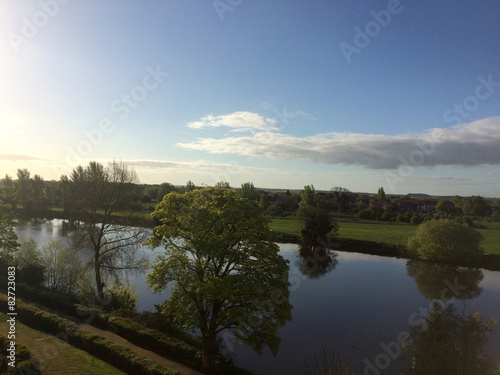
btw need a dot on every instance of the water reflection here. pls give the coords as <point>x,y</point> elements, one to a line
<point>316,261</point>
<point>444,282</point>
<point>450,343</point>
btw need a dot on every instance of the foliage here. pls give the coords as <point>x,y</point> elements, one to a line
<point>224,270</point>
<point>123,297</point>
<point>446,241</point>
<point>24,364</point>
<point>27,262</point>
<point>8,238</point>
<point>307,196</point>
<point>474,205</point>
<point>222,185</point>
<point>96,195</point>
<point>190,186</point>
<point>316,224</point>
<point>265,202</point>
<point>27,254</point>
<point>62,266</point>
<point>343,196</point>
<point>275,210</point>
<point>449,343</point>
<point>119,356</point>
<point>164,189</point>
<point>381,193</point>
<point>248,191</point>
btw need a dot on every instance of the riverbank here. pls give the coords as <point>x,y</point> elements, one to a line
<point>395,236</point>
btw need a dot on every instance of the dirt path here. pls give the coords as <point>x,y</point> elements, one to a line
<point>108,335</point>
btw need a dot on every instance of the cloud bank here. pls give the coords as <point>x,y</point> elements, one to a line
<point>238,121</point>
<point>473,144</point>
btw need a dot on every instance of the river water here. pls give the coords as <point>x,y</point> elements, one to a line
<point>356,304</point>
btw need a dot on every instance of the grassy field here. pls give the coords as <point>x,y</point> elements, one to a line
<point>55,356</point>
<point>388,232</point>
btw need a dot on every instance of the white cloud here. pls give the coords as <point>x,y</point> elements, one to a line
<point>476,143</point>
<point>238,121</point>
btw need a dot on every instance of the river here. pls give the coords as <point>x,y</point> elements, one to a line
<point>356,304</point>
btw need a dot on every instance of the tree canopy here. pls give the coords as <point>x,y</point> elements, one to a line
<point>446,241</point>
<point>224,270</point>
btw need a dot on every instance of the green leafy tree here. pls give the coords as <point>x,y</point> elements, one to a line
<point>381,193</point>
<point>8,238</point>
<point>446,241</point>
<point>102,199</point>
<point>62,266</point>
<point>224,271</point>
<point>222,185</point>
<point>445,207</point>
<point>27,261</point>
<point>24,189</point>
<point>450,343</point>
<point>342,196</point>
<point>265,201</point>
<point>307,196</point>
<point>8,190</point>
<point>316,225</point>
<point>248,191</point>
<point>164,189</point>
<point>190,186</point>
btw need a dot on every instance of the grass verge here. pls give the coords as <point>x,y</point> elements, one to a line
<point>55,356</point>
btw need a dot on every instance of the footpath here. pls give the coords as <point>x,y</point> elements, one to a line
<point>110,336</point>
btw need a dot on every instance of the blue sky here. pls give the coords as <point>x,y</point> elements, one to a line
<point>359,94</point>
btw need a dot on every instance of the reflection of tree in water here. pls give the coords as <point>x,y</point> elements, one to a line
<point>450,343</point>
<point>445,282</point>
<point>315,260</point>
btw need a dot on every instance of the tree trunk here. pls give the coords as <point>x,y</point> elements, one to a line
<point>98,280</point>
<point>207,351</point>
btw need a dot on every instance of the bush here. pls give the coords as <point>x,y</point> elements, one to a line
<point>446,241</point>
<point>24,364</point>
<point>367,214</point>
<point>123,298</point>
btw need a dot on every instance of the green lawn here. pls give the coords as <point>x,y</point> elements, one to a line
<point>55,355</point>
<point>387,232</point>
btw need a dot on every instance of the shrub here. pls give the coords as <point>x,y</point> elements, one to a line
<point>24,364</point>
<point>446,241</point>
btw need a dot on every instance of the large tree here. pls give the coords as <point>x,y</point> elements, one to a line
<point>102,199</point>
<point>224,271</point>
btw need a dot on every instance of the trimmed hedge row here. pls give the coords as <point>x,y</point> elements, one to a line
<point>144,337</point>
<point>116,355</point>
<point>23,362</point>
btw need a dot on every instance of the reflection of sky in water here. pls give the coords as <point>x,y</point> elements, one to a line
<point>365,301</point>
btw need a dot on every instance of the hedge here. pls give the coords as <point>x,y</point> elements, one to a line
<point>24,364</point>
<point>144,337</point>
<point>116,355</point>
